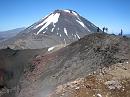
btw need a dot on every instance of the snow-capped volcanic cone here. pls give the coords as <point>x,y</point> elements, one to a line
<point>59,27</point>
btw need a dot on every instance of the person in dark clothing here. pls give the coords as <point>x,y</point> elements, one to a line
<point>98,29</point>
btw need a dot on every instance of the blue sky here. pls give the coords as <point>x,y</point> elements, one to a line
<point>114,14</point>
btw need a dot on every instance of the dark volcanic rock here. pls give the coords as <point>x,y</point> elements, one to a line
<point>13,64</point>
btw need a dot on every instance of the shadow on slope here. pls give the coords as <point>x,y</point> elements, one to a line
<point>13,64</point>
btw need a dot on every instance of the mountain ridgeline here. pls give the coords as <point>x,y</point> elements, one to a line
<point>4,35</point>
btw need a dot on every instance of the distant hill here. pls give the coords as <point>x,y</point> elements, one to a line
<point>10,33</point>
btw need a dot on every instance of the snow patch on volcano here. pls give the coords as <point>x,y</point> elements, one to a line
<point>53,18</point>
<point>50,49</point>
<point>77,36</point>
<point>70,11</point>
<point>65,30</point>
<point>52,29</point>
<point>67,11</point>
<point>82,24</point>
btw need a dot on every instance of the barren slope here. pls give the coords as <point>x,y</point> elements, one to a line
<point>77,60</point>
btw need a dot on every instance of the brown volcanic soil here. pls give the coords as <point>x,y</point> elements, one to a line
<point>111,82</point>
<point>79,59</point>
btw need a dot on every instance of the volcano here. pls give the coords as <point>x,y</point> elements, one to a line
<point>59,27</point>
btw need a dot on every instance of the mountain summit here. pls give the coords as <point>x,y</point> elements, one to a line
<point>63,21</point>
<point>59,27</point>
